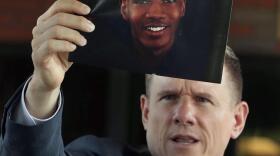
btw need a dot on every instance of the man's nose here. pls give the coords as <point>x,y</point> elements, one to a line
<point>184,114</point>
<point>155,10</point>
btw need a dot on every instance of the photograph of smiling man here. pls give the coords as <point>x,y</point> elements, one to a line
<point>154,24</point>
<point>177,38</point>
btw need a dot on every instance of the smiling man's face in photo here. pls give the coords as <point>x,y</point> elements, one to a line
<point>153,22</point>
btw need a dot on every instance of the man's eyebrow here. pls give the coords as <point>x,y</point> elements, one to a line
<point>203,94</point>
<point>168,92</point>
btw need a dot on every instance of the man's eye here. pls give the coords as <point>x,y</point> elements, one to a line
<point>142,1</point>
<point>170,97</point>
<point>169,1</point>
<point>201,99</point>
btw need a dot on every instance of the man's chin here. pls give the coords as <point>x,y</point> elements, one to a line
<point>181,149</point>
<point>184,153</point>
<point>158,49</point>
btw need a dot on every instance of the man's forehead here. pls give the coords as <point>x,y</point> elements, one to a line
<point>164,80</point>
<point>161,83</point>
<point>168,82</point>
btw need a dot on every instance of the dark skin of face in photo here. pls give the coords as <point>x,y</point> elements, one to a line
<point>153,25</point>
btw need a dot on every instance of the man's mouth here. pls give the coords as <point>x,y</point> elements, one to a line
<point>155,28</point>
<point>184,139</point>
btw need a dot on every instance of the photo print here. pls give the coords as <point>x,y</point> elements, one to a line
<point>176,38</point>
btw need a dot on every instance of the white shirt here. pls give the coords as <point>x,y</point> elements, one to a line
<point>22,116</point>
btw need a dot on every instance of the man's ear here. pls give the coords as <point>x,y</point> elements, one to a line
<point>183,7</point>
<point>124,9</point>
<point>144,102</point>
<point>240,115</point>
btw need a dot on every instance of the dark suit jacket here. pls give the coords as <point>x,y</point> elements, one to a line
<point>46,140</point>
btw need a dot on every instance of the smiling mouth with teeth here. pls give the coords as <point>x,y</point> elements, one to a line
<point>155,28</point>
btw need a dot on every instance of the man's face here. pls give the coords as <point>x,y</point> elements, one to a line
<point>191,118</point>
<point>153,22</point>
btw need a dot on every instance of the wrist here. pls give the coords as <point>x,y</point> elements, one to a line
<point>40,101</point>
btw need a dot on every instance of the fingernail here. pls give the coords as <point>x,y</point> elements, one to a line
<point>73,47</point>
<point>84,42</point>
<point>91,27</point>
<point>86,8</point>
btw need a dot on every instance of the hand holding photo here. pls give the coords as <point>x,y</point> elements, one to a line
<point>177,38</point>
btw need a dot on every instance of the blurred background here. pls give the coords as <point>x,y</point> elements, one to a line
<point>106,102</point>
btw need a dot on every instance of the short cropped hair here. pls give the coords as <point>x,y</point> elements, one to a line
<point>231,62</point>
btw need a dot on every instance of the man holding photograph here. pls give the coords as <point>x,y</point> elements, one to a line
<point>181,117</point>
